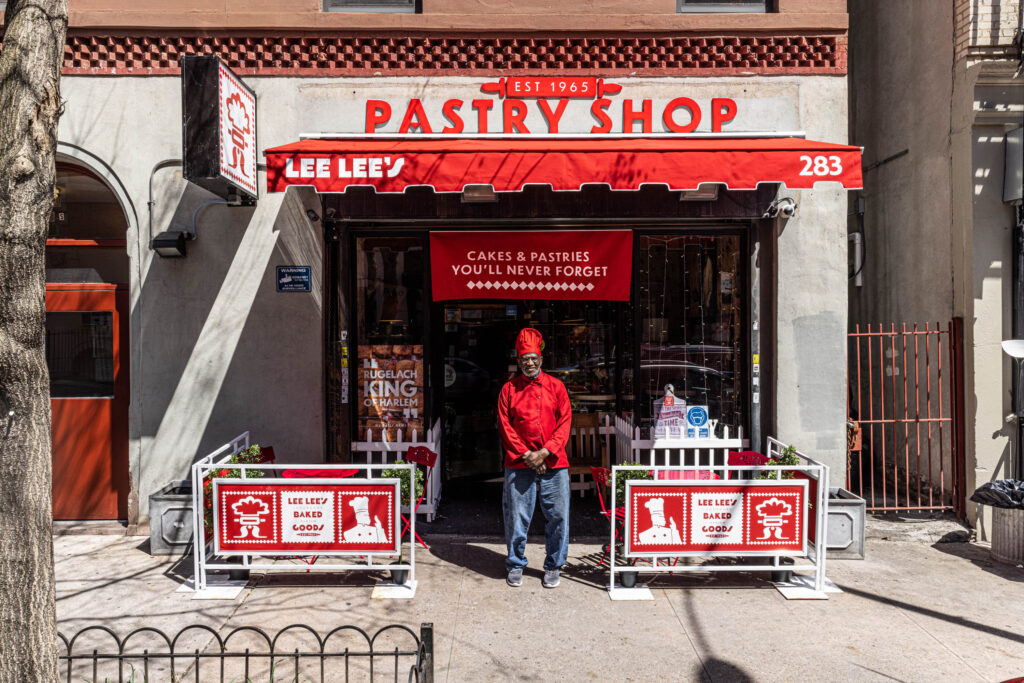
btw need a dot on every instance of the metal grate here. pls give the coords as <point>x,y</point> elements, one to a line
<point>906,449</point>
<point>296,653</point>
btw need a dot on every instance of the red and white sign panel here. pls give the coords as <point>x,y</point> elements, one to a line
<point>559,264</point>
<point>710,518</point>
<point>237,132</point>
<point>448,165</point>
<point>325,517</point>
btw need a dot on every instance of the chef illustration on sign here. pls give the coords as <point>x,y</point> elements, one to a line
<point>363,531</point>
<point>659,533</point>
<point>248,512</point>
<point>772,513</point>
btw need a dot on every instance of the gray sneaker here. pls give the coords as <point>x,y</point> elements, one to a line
<point>551,579</point>
<point>515,578</point>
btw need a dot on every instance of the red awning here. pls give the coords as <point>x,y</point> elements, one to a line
<point>623,163</point>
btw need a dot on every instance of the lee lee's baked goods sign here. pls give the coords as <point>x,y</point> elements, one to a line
<point>263,517</point>
<point>707,518</point>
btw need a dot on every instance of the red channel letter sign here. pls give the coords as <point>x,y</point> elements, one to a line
<point>267,518</point>
<point>559,264</point>
<point>707,518</point>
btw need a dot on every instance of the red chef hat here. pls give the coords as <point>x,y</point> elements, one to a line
<point>529,341</point>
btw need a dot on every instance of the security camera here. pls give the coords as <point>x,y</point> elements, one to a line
<point>783,206</point>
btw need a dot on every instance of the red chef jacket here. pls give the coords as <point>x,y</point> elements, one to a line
<point>534,414</point>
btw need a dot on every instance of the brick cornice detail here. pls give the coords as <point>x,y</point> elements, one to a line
<point>336,55</point>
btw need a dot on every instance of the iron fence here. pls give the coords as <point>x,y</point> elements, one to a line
<point>248,654</point>
<point>906,445</point>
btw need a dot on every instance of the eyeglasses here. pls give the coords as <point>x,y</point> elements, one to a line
<point>529,360</point>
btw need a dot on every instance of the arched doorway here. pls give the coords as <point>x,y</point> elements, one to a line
<point>87,269</point>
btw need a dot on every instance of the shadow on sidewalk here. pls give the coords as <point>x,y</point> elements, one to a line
<point>958,621</point>
<point>476,558</point>
<point>981,557</point>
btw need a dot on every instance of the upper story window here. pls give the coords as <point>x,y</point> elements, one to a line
<point>409,6</point>
<point>709,6</point>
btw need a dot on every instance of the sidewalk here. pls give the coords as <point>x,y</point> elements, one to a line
<point>914,610</point>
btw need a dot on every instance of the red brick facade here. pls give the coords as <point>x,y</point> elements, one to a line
<point>333,55</point>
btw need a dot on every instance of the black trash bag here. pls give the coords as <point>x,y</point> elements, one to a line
<point>1005,493</point>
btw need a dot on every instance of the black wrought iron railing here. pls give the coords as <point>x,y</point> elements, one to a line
<point>247,654</point>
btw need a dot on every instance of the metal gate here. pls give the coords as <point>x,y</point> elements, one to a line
<point>906,416</point>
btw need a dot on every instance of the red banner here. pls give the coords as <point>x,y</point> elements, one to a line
<point>323,518</point>
<point>561,264</point>
<point>682,517</point>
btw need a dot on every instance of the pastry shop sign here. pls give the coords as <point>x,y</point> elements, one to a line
<point>516,99</point>
<point>709,518</point>
<point>322,517</point>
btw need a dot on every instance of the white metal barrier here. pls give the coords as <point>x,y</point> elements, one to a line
<point>204,559</point>
<point>385,452</point>
<point>816,472</point>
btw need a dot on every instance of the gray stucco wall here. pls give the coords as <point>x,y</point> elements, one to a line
<point>938,234</point>
<point>900,101</point>
<point>215,350</point>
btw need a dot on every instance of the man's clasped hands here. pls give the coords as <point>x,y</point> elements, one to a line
<point>535,460</point>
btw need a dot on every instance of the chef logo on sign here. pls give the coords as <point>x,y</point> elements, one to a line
<point>659,533</point>
<point>249,513</point>
<point>239,126</point>
<point>773,513</point>
<point>363,531</point>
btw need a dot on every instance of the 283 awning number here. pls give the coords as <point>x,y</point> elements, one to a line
<point>821,165</point>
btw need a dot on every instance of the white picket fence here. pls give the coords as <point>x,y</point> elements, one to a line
<point>374,452</point>
<point>675,450</point>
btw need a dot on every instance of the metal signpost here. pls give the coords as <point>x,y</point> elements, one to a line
<point>679,515</point>
<point>260,519</point>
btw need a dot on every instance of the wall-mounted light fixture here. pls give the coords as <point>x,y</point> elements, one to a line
<point>170,244</point>
<point>705,192</point>
<point>478,194</point>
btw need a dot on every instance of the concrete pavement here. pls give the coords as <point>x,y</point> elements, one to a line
<point>914,610</point>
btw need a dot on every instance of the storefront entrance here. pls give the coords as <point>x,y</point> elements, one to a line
<point>422,362</point>
<point>479,356</point>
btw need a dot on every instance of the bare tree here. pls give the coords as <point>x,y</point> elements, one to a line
<point>30,105</point>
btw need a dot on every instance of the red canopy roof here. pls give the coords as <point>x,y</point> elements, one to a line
<point>564,163</point>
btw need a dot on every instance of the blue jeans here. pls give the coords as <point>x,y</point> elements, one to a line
<point>518,500</point>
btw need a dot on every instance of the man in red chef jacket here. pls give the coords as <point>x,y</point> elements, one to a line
<point>535,417</point>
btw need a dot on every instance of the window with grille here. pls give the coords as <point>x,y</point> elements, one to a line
<point>409,6</point>
<point>709,6</point>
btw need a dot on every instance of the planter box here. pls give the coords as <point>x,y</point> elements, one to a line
<point>844,539</point>
<point>170,519</point>
<point>1008,535</point>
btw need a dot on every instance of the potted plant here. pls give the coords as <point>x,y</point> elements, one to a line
<point>402,475</point>
<point>787,456</point>
<point>399,576</point>
<point>248,456</point>
<point>628,579</point>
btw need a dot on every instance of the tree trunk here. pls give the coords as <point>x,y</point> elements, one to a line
<point>33,52</point>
